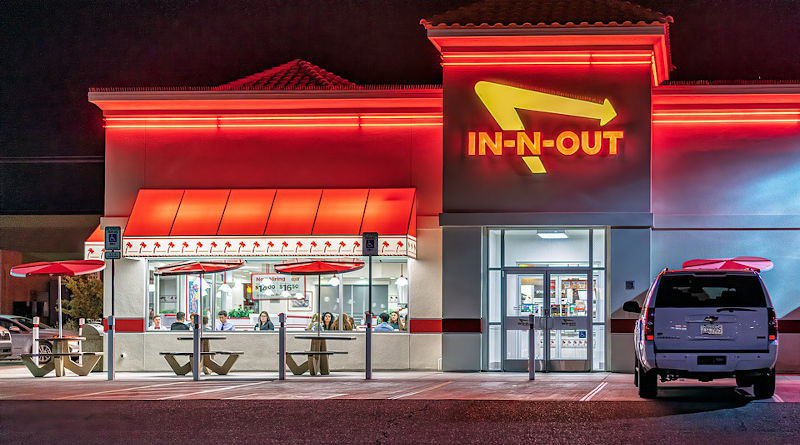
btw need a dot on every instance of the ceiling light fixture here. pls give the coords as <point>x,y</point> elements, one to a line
<point>402,281</point>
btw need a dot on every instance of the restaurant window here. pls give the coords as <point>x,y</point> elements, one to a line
<point>255,287</point>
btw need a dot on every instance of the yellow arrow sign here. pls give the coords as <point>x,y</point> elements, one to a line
<point>502,101</point>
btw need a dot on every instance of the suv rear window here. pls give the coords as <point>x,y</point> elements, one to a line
<point>710,291</point>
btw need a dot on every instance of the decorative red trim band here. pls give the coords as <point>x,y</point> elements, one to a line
<point>425,325</point>
<point>126,325</point>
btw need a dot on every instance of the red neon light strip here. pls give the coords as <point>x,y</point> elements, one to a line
<point>553,55</point>
<point>726,113</point>
<point>729,121</point>
<point>299,117</point>
<point>545,63</point>
<point>319,125</point>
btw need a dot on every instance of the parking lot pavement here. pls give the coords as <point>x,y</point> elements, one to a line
<point>17,384</point>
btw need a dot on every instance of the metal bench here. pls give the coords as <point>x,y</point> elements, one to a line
<point>206,361</point>
<point>60,361</point>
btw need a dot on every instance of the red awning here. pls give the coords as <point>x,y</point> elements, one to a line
<point>267,212</point>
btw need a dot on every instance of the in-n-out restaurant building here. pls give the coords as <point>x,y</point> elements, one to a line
<point>555,171</point>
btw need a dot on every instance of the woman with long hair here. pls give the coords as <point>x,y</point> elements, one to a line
<point>396,321</point>
<point>327,321</point>
<point>264,322</point>
<point>312,325</point>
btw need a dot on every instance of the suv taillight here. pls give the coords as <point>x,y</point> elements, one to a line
<point>649,324</point>
<point>772,322</point>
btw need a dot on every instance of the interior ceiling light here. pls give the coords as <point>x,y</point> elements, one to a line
<point>266,281</point>
<point>285,294</point>
<point>552,234</point>
<point>334,281</point>
<point>225,288</point>
<point>298,295</point>
<point>402,281</point>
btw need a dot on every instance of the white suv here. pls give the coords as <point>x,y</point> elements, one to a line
<point>705,325</point>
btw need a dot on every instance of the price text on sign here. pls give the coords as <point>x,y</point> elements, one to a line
<point>271,286</point>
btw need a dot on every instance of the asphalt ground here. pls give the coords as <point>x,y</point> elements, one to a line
<point>394,408</point>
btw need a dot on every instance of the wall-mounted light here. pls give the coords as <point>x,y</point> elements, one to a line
<point>552,234</point>
<point>225,288</point>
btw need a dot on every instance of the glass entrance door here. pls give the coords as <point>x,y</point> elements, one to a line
<point>561,300</point>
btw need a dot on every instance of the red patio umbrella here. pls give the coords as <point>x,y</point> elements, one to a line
<point>198,268</point>
<point>59,269</point>
<point>318,268</point>
<point>736,263</point>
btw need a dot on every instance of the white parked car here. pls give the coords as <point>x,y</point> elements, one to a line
<point>5,343</point>
<point>705,325</point>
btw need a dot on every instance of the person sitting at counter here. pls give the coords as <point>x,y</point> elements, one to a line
<point>327,321</point>
<point>396,322</point>
<point>223,324</point>
<point>312,325</point>
<point>180,322</point>
<point>206,323</point>
<point>384,325</point>
<point>264,322</point>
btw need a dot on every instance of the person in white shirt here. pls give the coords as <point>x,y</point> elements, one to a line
<point>157,326</point>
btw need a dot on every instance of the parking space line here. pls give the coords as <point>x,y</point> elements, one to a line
<point>209,390</point>
<point>593,392</point>
<point>421,391</point>
<point>117,390</point>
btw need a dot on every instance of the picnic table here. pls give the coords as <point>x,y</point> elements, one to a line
<point>61,358</point>
<point>317,361</point>
<point>206,358</point>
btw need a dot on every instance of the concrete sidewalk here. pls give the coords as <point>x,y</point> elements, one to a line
<point>17,384</point>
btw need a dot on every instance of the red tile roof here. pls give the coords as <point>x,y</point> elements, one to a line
<point>295,75</point>
<point>541,13</point>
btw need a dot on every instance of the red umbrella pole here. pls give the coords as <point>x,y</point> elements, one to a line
<point>60,314</point>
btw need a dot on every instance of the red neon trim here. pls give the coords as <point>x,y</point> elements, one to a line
<point>729,121</point>
<point>545,63</point>
<point>543,54</point>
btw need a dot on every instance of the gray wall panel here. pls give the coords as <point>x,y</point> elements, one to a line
<point>461,272</point>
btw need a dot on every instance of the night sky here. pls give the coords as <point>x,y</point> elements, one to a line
<point>51,137</point>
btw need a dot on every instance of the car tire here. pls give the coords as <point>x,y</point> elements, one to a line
<point>764,386</point>
<point>648,382</point>
<point>45,349</point>
<point>635,371</point>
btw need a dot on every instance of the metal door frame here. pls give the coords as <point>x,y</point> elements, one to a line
<point>547,364</point>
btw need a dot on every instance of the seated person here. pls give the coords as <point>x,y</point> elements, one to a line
<point>180,322</point>
<point>157,326</point>
<point>384,325</point>
<point>206,323</point>
<point>264,322</point>
<point>327,321</point>
<point>396,322</point>
<point>223,324</point>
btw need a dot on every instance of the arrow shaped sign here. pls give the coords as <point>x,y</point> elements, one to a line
<point>503,101</point>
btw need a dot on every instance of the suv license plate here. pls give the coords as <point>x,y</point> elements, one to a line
<point>711,329</point>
